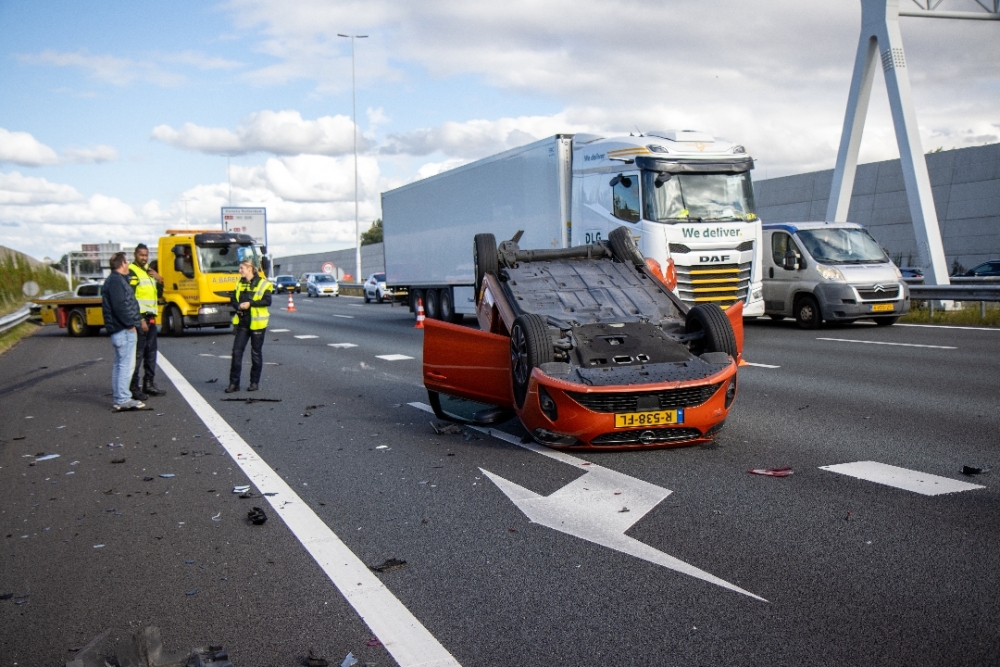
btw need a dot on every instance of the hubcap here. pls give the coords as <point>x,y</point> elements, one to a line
<point>519,355</point>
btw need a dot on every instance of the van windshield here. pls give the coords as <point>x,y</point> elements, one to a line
<point>698,197</point>
<point>842,246</point>
<point>225,258</point>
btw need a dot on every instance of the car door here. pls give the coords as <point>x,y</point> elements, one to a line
<point>779,282</point>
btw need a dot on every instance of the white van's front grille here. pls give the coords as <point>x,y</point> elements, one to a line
<point>878,292</point>
<point>724,284</point>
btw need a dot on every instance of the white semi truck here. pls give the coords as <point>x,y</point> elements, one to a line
<point>686,196</point>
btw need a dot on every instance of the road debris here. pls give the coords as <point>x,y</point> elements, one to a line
<point>147,479</point>
<point>217,517</point>
<point>349,660</point>
<point>974,470</point>
<point>313,660</point>
<point>771,472</point>
<point>45,457</point>
<point>121,460</point>
<point>373,642</point>
<point>253,400</point>
<point>211,381</point>
<point>256,516</point>
<point>389,565</point>
<point>241,489</point>
<point>447,429</point>
<point>167,475</point>
<point>113,445</point>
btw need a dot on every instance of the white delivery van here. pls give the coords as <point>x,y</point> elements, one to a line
<point>830,271</point>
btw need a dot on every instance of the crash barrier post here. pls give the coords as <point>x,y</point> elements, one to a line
<point>420,315</point>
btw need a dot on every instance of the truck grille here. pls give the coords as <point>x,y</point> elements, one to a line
<point>688,397</point>
<point>869,293</point>
<point>650,436</point>
<point>724,284</point>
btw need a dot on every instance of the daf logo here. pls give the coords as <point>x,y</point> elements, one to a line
<point>647,437</point>
<point>713,258</point>
<point>878,288</point>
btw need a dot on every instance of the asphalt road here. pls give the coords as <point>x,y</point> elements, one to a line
<point>838,570</point>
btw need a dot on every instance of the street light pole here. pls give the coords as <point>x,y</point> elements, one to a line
<point>354,122</point>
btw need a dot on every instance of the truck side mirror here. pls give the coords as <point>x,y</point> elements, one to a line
<point>791,262</point>
<point>662,178</point>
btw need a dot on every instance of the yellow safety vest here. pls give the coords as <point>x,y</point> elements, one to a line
<point>258,314</point>
<point>145,289</point>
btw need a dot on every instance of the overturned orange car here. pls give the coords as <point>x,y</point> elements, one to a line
<point>588,347</point>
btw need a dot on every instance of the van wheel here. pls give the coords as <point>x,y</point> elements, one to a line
<point>717,332</point>
<point>530,346</point>
<point>432,304</point>
<point>623,247</point>
<point>76,324</point>
<point>885,321</point>
<point>807,312</point>
<point>484,255</point>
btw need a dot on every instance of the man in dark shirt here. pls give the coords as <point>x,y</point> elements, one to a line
<point>121,317</point>
<point>251,300</point>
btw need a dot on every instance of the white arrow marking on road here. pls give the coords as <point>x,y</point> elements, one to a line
<point>588,508</point>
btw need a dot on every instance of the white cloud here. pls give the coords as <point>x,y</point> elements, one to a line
<point>97,154</point>
<point>277,132</point>
<point>106,68</point>
<point>23,149</point>
<point>201,60</point>
<point>18,190</point>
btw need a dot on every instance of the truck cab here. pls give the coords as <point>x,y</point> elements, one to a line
<point>200,269</point>
<point>830,271</point>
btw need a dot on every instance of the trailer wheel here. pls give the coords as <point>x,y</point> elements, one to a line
<point>484,254</point>
<point>718,335</point>
<point>807,312</point>
<point>530,346</point>
<point>174,323</point>
<point>432,304</point>
<point>448,313</point>
<point>623,247</point>
<point>76,323</point>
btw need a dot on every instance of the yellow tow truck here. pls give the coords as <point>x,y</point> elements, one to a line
<point>199,269</point>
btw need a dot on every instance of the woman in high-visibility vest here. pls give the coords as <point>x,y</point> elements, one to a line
<point>251,300</point>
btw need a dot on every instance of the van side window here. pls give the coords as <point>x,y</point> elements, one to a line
<point>182,260</point>
<point>780,244</point>
<point>625,197</point>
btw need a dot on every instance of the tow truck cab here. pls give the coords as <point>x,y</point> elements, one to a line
<point>200,269</point>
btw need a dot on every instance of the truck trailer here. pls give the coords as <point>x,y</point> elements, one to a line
<point>685,196</point>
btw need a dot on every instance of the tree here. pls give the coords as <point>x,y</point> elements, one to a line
<point>373,234</point>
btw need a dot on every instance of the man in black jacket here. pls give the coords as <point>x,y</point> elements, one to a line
<point>121,317</point>
<point>251,300</point>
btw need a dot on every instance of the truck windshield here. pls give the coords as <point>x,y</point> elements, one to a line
<point>842,246</point>
<point>224,258</point>
<point>698,197</point>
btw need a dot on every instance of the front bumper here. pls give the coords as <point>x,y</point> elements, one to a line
<point>842,302</point>
<point>210,316</point>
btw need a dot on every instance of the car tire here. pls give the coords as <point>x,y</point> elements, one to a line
<point>378,296</point>
<point>530,346</point>
<point>432,304</point>
<point>76,323</point>
<point>447,300</point>
<point>367,299</point>
<point>484,255</point>
<point>623,247</point>
<point>807,312</point>
<point>886,321</point>
<point>175,322</point>
<point>717,332</point>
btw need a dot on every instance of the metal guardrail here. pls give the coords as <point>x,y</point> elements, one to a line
<point>966,292</point>
<point>12,320</point>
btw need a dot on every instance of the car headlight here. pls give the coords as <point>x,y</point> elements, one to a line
<point>830,273</point>
<point>204,310</point>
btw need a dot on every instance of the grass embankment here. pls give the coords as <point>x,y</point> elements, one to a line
<point>15,271</point>
<point>969,315</point>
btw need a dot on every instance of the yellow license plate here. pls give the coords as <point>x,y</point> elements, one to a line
<point>655,418</point>
<point>882,308</point>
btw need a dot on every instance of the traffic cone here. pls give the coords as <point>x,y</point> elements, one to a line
<point>291,304</point>
<point>420,315</point>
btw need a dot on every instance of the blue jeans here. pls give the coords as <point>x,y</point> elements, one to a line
<point>121,373</point>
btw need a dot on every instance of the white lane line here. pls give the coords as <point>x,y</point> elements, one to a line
<point>206,355</point>
<point>397,628</point>
<point>879,342</point>
<point>305,336</point>
<point>342,346</point>
<point>901,478</point>
<point>356,305</point>
<point>280,330</point>
<point>945,326</point>
<point>346,317</point>
<point>392,357</point>
<point>750,363</point>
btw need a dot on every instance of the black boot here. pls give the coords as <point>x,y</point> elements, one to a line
<point>138,395</point>
<point>151,389</point>
<point>253,387</point>
<point>231,388</point>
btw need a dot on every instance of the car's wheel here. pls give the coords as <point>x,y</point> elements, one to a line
<point>886,321</point>
<point>777,318</point>
<point>174,321</point>
<point>367,298</point>
<point>717,332</point>
<point>530,346</point>
<point>484,255</point>
<point>623,247</point>
<point>807,312</point>
<point>432,304</point>
<point>76,324</point>
<point>378,296</point>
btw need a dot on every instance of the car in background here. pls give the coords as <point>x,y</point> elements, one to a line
<point>912,275</point>
<point>322,284</point>
<point>375,289</point>
<point>286,284</point>
<point>990,268</point>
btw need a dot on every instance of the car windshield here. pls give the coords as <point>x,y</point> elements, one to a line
<point>698,197</point>
<point>225,258</point>
<point>324,279</point>
<point>842,246</point>
<point>284,279</point>
<point>380,277</point>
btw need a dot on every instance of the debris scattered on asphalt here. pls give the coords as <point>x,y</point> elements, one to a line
<point>447,429</point>
<point>46,457</point>
<point>253,400</point>
<point>771,472</point>
<point>307,414</point>
<point>98,546</point>
<point>145,649</point>
<point>113,445</point>
<point>167,475</point>
<point>313,660</point>
<point>121,460</point>
<point>189,562</point>
<point>246,495</point>
<point>211,381</point>
<point>349,660</point>
<point>147,479</point>
<point>241,489</point>
<point>20,437</point>
<point>974,470</point>
<point>313,407</point>
<point>257,516</point>
<point>217,517</point>
<point>382,447</point>
<point>374,641</point>
<point>59,427</point>
<point>389,565</point>
<point>6,596</point>
<point>623,510</point>
<point>193,591</point>
<point>271,493</point>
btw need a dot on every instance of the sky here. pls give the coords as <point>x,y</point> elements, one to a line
<point>121,119</point>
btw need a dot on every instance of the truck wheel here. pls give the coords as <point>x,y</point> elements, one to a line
<point>76,323</point>
<point>484,254</point>
<point>448,313</point>
<point>807,312</point>
<point>623,247</point>
<point>717,332</point>
<point>530,346</point>
<point>886,321</point>
<point>432,304</point>
<point>174,322</point>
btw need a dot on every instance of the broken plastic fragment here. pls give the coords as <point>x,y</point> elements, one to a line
<point>257,516</point>
<point>313,660</point>
<point>771,472</point>
<point>217,517</point>
<point>47,457</point>
<point>241,489</point>
<point>974,470</point>
<point>388,565</point>
<point>167,475</point>
<point>447,429</point>
<point>193,591</point>
<point>349,660</point>
<point>382,447</point>
<point>374,641</point>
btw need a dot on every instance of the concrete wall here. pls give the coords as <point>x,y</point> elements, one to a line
<point>372,261</point>
<point>966,185</point>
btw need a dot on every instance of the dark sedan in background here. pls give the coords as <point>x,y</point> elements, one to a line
<point>286,284</point>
